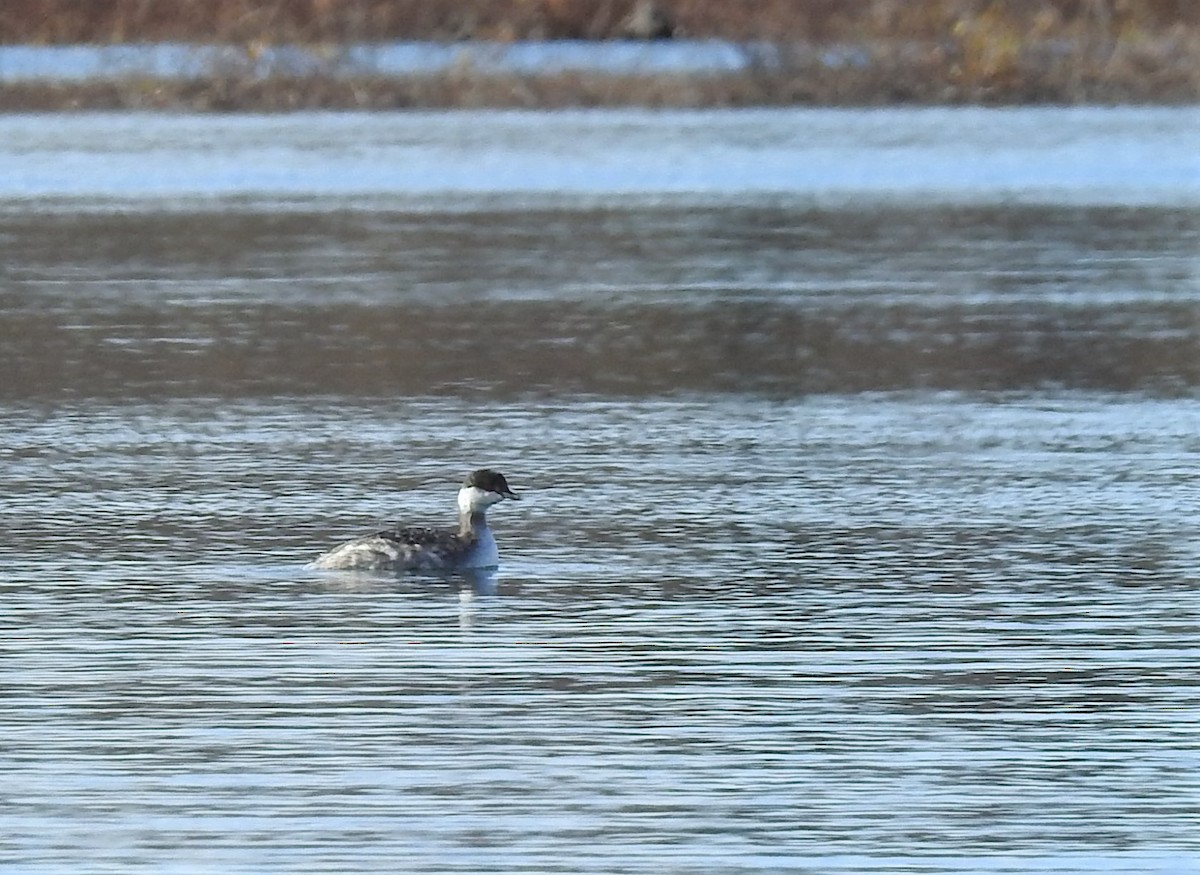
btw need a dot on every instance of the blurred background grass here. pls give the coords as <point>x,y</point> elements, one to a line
<point>926,51</point>
<point>316,21</point>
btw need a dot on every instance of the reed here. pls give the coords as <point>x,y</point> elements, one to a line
<point>309,21</point>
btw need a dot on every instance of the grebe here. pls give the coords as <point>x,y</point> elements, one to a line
<point>472,547</point>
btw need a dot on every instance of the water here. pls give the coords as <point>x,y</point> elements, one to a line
<point>185,61</point>
<point>858,530</point>
<point>436,162</point>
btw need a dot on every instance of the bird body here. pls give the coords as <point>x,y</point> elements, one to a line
<point>471,547</point>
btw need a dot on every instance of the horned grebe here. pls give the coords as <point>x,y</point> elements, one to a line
<point>472,547</point>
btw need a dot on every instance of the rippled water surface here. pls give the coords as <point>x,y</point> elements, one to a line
<point>858,529</point>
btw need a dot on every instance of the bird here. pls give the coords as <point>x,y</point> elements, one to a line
<point>471,548</point>
<point>649,20</point>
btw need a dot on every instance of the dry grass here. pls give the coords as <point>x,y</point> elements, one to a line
<point>928,51</point>
<point>308,21</point>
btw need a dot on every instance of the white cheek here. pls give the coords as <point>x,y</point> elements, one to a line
<point>472,498</point>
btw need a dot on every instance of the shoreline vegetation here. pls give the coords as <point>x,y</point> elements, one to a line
<point>788,52</point>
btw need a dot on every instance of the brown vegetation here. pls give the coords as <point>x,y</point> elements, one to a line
<point>309,21</point>
<point>915,50</point>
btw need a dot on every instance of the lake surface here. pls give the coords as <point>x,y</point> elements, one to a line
<point>858,458</point>
<point>186,61</point>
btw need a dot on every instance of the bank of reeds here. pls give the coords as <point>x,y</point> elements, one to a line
<point>917,51</point>
<point>316,21</point>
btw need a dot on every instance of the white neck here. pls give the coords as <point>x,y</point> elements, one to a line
<point>473,503</point>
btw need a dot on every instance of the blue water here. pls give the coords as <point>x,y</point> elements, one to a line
<point>181,61</point>
<point>857,453</point>
<point>438,160</point>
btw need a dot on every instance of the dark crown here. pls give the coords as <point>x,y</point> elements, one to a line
<point>490,481</point>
